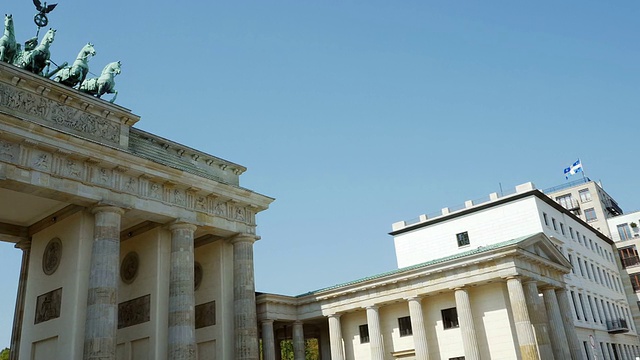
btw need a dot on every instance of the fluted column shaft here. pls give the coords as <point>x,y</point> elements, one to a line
<point>18,315</point>
<point>102,309</point>
<point>375,335</point>
<point>538,317</point>
<point>182,319</point>
<point>567,321</point>
<point>417,327</point>
<point>467,328</point>
<point>298,341</point>
<point>244,299</point>
<point>556,327</point>
<point>524,332</point>
<point>335,337</point>
<point>268,342</point>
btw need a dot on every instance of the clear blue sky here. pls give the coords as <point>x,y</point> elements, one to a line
<point>358,114</point>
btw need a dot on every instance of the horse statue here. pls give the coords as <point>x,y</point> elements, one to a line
<point>103,84</point>
<point>35,60</point>
<point>71,76</point>
<point>8,45</point>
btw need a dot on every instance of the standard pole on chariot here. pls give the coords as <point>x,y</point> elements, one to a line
<point>41,19</point>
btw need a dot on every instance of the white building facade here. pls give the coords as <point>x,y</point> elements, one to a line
<point>514,277</point>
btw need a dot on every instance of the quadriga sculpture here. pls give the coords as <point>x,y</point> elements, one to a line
<point>8,45</point>
<point>77,72</point>
<point>37,59</point>
<point>105,83</point>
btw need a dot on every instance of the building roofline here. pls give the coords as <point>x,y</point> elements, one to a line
<point>487,205</point>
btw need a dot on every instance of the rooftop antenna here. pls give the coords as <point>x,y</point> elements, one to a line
<point>41,19</point>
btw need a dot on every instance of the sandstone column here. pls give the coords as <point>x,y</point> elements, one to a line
<point>375,336</point>
<point>298,341</point>
<point>556,327</point>
<point>538,317</point>
<point>268,342</point>
<point>417,327</point>
<point>182,320</point>
<point>18,316</point>
<point>567,320</point>
<point>467,328</point>
<point>244,299</point>
<point>335,337</point>
<point>524,331</point>
<point>102,308</point>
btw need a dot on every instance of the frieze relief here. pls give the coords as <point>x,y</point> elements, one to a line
<point>48,306</point>
<point>65,165</point>
<point>9,151</point>
<point>134,312</point>
<point>64,116</point>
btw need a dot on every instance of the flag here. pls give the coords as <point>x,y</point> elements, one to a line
<point>573,169</point>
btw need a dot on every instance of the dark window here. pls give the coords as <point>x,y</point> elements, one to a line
<point>546,220</point>
<point>449,318</point>
<point>553,221</point>
<point>457,358</point>
<point>364,334</point>
<point>404,323</point>
<point>562,228</point>
<point>629,256</point>
<point>463,238</point>
<point>635,281</point>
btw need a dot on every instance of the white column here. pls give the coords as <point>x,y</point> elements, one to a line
<point>538,317</point>
<point>298,341</point>
<point>335,337</point>
<point>102,308</point>
<point>268,341</point>
<point>467,328</point>
<point>375,336</point>
<point>524,330</point>
<point>556,327</point>
<point>569,328</point>
<point>18,315</point>
<point>417,326</point>
<point>182,319</point>
<point>244,299</point>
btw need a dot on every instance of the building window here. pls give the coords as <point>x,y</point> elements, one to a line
<point>449,318</point>
<point>584,309</point>
<point>364,334</point>
<point>581,268</point>
<point>546,219</point>
<point>579,239</point>
<point>404,323</point>
<point>635,281</point>
<point>624,231</point>
<point>575,304</point>
<point>590,215</point>
<point>585,195</point>
<point>571,261</point>
<point>565,201</point>
<point>562,228</point>
<point>555,227</point>
<point>463,238</point>
<point>457,358</point>
<point>629,256</point>
<point>571,232</point>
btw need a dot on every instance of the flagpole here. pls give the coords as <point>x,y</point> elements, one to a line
<point>584,175</point>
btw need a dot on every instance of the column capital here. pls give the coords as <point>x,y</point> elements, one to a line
<point>250,238</point>
<point>100,208</point>
<point>298,322</point>
<point>267,321</point>
<point>179,225</point>
<point>414,298</point>
<point>23,245</point>
<point>461,287</point>
<point>372,307</point>
<point>334,315</point>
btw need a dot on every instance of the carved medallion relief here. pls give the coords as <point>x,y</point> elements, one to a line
<point>52,256</point>
<point>129,267</point>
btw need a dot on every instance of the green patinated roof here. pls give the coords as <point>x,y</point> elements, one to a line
<point>478,250</point>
